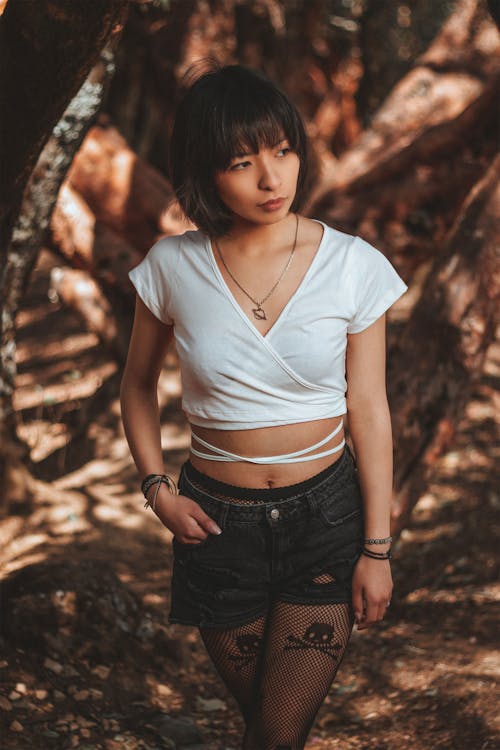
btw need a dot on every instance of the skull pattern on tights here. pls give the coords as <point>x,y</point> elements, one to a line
<point>318,636</point>
<point>248,646</point>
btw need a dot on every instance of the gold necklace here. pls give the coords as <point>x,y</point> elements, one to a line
<point>258,311</point>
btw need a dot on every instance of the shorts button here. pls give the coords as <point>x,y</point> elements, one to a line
<point>275,513</point>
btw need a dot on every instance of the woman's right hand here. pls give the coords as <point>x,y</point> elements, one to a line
<point>184,517</point>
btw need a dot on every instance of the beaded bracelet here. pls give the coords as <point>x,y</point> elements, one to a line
<point>378,541</point>
<point>157,479</point>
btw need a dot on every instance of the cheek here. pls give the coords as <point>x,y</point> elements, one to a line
<point>229,191</point>
<point>296,169</point>
<point>221,185</point>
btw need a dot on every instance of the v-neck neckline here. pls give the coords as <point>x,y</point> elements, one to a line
<point>292,298</point>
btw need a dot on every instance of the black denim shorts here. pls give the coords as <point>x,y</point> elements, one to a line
<point>270,550</point>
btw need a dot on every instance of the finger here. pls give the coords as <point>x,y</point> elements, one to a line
<point>381,612</point>
<point>206,524</point>
<point>357,603</point>
<point>371,612</point>
<point>195,540</point>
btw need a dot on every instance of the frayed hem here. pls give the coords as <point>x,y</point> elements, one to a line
<point>245,620</point>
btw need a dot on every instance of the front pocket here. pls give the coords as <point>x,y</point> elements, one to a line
<point>343,506</point>
<point>191,493</point>
<point>190,545</point>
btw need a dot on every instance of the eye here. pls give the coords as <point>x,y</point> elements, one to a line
<point>238,166</point>
<point>284,151</point>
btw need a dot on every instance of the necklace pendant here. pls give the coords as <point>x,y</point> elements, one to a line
<point>259,313</point>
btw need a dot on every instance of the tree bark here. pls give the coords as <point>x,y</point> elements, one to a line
<point>451,88</point>
<point>46,52</point>
<point>97,286</point>
<point>29,231</point>
<point>407,30</point>
<point>83,294</point>
<point>439,357</point>
<point>123,192</point>
<point>87,243</point>
<point>403,184</point>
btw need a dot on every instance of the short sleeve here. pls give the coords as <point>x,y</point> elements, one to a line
<point>375,285</point>
<point>152,278</point>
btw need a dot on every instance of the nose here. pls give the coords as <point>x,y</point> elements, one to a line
<point>269,178</point>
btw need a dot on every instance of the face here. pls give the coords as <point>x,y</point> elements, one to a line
<point>259,188</point>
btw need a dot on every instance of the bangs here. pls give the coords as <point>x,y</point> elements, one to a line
<point>245,124</point>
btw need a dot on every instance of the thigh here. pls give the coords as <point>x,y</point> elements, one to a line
<point>305,644</point>
<point>304,647</point>
<point>237,655</point>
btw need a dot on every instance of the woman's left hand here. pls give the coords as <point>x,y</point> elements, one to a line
<point>371,590</point>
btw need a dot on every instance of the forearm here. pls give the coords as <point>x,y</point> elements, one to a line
<point>141,423</point>
<point>371,432</point>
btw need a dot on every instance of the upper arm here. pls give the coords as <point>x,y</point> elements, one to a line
<point>365,366</point>
<point>148,346</point>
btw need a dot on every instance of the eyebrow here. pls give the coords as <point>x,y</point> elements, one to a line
<point>240,154</point>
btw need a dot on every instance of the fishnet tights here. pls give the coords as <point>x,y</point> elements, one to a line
<point>227,498</point>
<point>280,669</point>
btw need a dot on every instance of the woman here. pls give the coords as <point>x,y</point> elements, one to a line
<point>281,538</point>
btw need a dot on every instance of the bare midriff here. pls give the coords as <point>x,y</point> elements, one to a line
<point>268,441</point>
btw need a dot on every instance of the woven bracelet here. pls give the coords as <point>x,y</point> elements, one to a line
<point>377,555</point>
<point>157,479</point>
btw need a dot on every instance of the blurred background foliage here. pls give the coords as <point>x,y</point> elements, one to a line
<point>309,47</point>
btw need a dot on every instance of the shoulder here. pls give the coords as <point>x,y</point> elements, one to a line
<point>171,242</point>
<point>311,231</point>
<point>335,242</point>
<point>170,248</point>
<point>365,260</point>
<point>350,249</point>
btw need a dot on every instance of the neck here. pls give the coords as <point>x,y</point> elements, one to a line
<point>250,239</point>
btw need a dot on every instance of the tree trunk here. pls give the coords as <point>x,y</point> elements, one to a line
<point>123,192</point>
<point>451,88</point>
<point>83,294</point>
<point>97,286</point>
<point>39,199</point>
<point>46,52</point>
<point>440,354</point>
<point>404,182</point>
<point>87,243</point>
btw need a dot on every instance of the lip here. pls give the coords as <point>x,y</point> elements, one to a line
<point>272,205</point>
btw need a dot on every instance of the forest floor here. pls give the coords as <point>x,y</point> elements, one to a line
<point>87,657</point>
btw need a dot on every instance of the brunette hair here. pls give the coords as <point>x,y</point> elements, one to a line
<point>224,112</point>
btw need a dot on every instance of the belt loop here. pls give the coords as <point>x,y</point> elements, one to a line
<point>224,512</point>
<point>312,500</point>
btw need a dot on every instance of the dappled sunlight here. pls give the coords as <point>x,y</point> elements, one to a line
<point>403,137</point>
<point>169,385</point>
<point>44,436</point>
<point>118,516</point>
<point>47,350</point>
<point>478,594</point>
<point>61,393</point>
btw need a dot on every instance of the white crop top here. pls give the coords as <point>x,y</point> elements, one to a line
<point>232,376</point>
